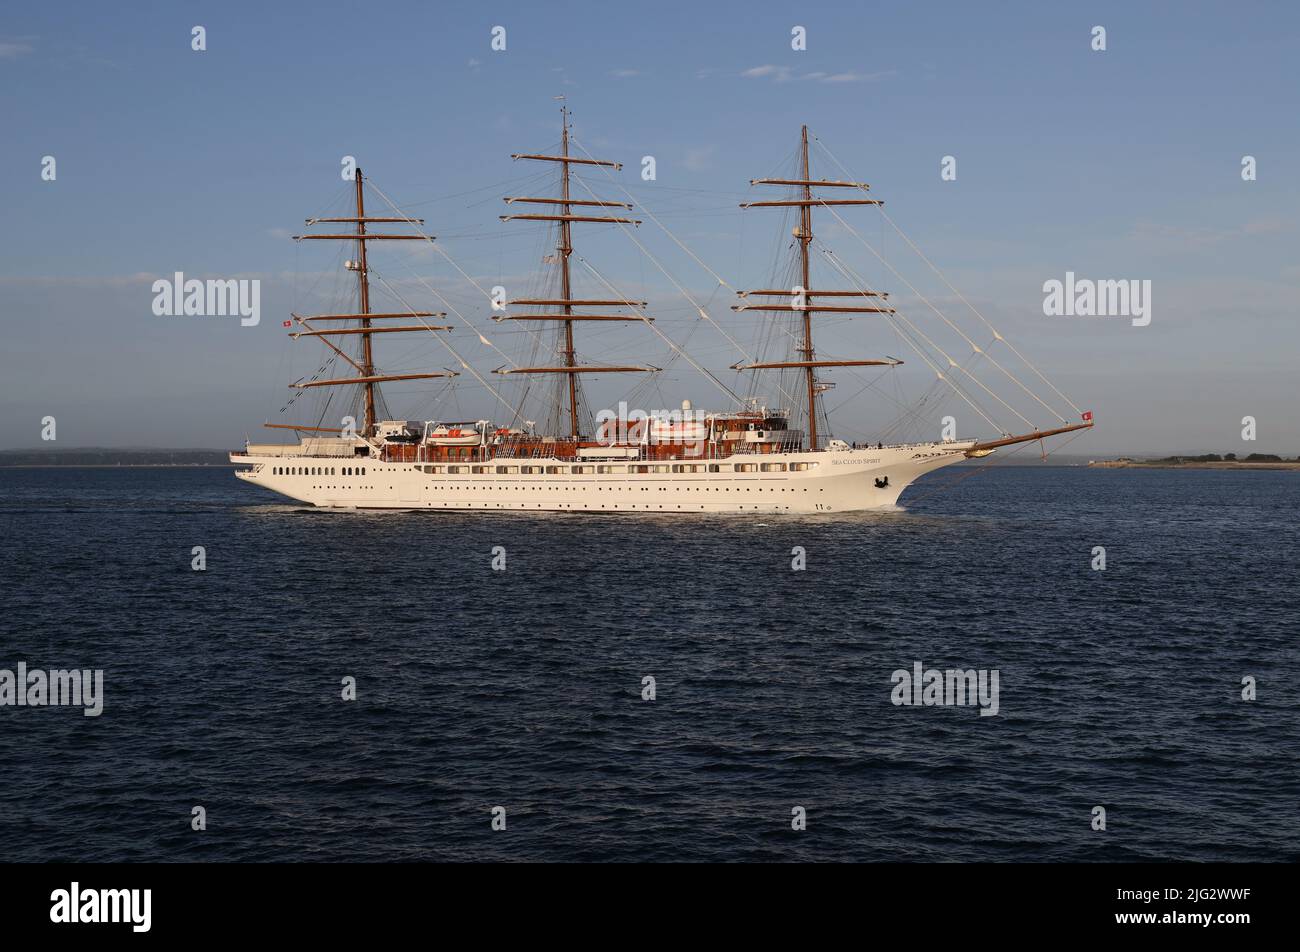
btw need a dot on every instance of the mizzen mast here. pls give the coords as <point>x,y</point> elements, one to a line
<point>802,296</point>
<point>367,377</point>
<point>567,302</point>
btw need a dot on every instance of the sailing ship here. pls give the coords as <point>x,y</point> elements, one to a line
<point>746,458</point>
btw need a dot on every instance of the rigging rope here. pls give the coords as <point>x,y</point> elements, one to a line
<point>436,247</point>
<point>858,285</point>
<point>666,339</point>
<point>974,347</point>
<point>996,334</point>
<point>442,340</point>
<point>662,227</point>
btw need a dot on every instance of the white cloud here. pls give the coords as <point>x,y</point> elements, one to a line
<point>784,74</point>
<point>852,77</point>
<point>1199,237</point>
<point>780,73</point>
<point>12,50</point>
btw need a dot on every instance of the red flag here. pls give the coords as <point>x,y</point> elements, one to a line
<point>288,323</point>
<point>1087,416</point>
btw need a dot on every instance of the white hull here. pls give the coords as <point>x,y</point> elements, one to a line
<point>840,481</point>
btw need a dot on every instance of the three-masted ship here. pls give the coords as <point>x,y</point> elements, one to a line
<point>745,458</point>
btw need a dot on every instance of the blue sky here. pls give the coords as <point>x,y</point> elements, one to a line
<point>1115,164</point>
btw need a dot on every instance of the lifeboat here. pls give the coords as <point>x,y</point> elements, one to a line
<point>453,436</point>
<point>687,431</point>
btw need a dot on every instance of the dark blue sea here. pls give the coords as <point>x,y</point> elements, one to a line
<point>522,688</point>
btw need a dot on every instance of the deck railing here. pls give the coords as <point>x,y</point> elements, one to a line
<point>420,453</point>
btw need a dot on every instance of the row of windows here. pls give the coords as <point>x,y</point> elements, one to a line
<point>603,470</point>
<point>611,470</point>
<point>319,470</point>
<point>473,487</point>
<point>570,505</point>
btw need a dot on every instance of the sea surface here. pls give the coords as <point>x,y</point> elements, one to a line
<point>523,688</point>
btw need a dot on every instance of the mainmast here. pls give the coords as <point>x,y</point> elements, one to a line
<point>566,302</point>
<point>566,249</point>
<point>363,295</point>
<point>805,237</point>
<point>367,377</point>
<point>802,296</point>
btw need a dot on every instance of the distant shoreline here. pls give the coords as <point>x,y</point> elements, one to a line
<point>101,457</point>
<point>117,465</point>
<point>1192,464</point>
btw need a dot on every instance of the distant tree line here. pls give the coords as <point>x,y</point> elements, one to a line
<point>1227,458</point>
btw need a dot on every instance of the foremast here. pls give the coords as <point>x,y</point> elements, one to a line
<point>801,297</point>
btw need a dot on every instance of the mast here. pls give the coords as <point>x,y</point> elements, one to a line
<point>805,236</point>
<point>367,376</point>
<point>566,249</point>
<point>567,302</point>
<point>363,283</point>
<point>805,305</point>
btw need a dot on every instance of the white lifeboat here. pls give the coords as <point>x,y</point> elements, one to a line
<point>678,431</point>
<point>453,436</point>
